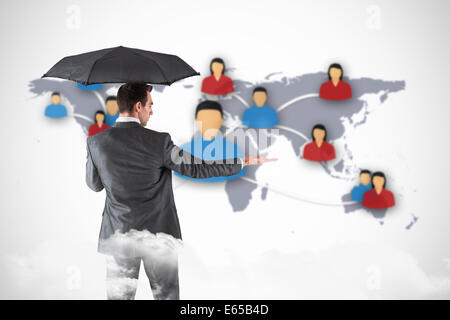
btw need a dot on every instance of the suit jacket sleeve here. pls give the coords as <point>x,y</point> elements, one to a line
<point>92,177</point>
<point>186,164</point>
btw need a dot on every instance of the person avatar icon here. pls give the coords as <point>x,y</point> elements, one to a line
<point>211,145</point>
<point>89,87</point>
<point>56,110</point>
<point>335,88</point>
<point>319,149</point>
<point>217,83</point>
<point>378,197</point>
<point>99,124</point>
<point>112,110</point>
<point>260,115</point>
<point>363,187</point>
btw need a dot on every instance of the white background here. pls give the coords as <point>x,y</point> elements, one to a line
<point>277,248</point>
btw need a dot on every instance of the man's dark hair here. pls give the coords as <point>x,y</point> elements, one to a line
<point>130,93</point>
<point>99,112</point>
<point>209,105</point>
<point>337,66</point>
<point>56,94</point>
<point>219,60</point>
<point>321,127</point>
<point>111,98</point>
<point>378,174</point>
<point>365,171</point>
<point>260,89</point>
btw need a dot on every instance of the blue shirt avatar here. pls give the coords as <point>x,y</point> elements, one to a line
<point>214,149</point>
<point>56,111</point>
<point>110,120</point>
<point>358,192</point>
<point>260,117</point>
<point>90,87</point>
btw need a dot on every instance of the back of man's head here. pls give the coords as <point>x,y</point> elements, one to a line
<point>130,93</point>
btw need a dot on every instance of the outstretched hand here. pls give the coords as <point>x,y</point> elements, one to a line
<point>252,160</point>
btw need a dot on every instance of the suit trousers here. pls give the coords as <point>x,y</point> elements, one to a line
<point>122,277</point>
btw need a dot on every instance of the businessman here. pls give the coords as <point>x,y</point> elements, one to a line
<point>134,165</point>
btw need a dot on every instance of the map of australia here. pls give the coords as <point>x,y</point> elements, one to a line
<point>294,98</point>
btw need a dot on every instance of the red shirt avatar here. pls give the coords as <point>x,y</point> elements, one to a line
<point>99,124</point>
<point>378,197</point>
<point>374,200</point>
<point>341,91</point>
<point>335,89</point>
<point>319,149</point>
<point>217,87</point>
<point>313,152</point>
<point>94,129</point>
<point>217,83</point>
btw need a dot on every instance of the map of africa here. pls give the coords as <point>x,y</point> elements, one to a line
<point>298,107</point>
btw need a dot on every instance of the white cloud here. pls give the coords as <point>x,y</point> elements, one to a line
<point>353,270</point>
<point>358,270</point>
<point>121,288</point>
<point>142,243</point>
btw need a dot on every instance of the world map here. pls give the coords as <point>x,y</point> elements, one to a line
<point>298,107</point>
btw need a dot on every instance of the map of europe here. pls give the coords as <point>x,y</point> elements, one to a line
<point>298,106</point>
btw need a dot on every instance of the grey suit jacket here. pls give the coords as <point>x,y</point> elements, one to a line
<point>134,165</point>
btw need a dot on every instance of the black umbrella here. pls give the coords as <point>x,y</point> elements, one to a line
<point>121,65</point>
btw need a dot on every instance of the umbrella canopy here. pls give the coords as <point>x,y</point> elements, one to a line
<point>121,65</point>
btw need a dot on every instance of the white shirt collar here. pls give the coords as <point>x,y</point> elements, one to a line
<point>128,119</point>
